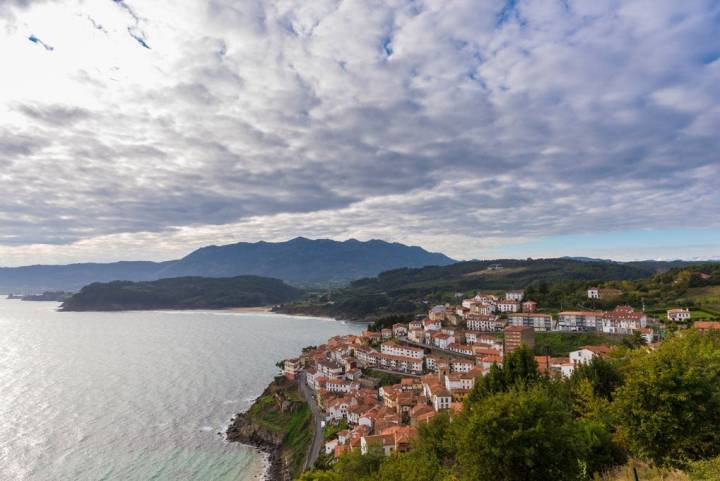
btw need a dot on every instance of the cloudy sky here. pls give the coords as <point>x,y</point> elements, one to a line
<point>143,129</point>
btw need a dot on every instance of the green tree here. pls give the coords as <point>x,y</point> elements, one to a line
<point>668,410</point>
<point>520,435</point>
<point>603,375</point>
<point>411,466</point>
<point>519,369</point>
<point>354,466</point>
<point>319,476</point>
<point>634,341</point>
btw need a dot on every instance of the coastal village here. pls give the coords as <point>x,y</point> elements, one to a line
<point>437,358</point>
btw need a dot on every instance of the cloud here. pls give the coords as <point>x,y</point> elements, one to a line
<point>460,125</point>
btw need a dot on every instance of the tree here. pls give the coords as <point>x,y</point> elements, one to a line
<point>603,375</point>
<point>319,476</point>
<point>634,341</point>
<point>668,410</point>
<point>354,466</point>
<point>412,466</point>
<point>519,368</point>
<point>520,435</point>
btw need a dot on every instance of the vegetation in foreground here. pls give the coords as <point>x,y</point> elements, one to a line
<point>659,409</point>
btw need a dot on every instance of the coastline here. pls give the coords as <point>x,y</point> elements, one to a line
<point>277,424</point>
<point>227,310</point>
<point>248,309</point>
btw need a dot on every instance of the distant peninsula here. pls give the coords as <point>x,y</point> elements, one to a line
<point>182,293</point>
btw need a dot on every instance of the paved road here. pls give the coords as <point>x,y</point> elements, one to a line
<point>318,436</point>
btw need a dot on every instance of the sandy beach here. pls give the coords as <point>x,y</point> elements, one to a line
<point>249,309</point>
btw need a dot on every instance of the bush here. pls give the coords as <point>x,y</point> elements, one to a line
<point>668,410</point>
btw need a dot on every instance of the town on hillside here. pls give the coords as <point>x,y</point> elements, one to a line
<point>436,359</point>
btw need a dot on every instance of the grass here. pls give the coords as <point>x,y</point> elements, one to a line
<point>298,438</point>
<point>561,343</point>
<point>495,272</point>
<point>645,473</point>
<point>331,429</point>
<point>697,314</point>
<point>296,424</point>
<point>384,378</point>
<point>706,297</point>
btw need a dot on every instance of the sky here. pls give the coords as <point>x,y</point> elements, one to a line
<point>482,129</point>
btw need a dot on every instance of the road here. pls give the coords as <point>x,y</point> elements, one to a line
<point>318,436</point>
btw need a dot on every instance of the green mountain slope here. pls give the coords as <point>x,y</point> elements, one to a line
<point>182,293</point>
<point>407,290</point>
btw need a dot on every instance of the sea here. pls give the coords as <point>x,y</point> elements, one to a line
<point>137,396</point>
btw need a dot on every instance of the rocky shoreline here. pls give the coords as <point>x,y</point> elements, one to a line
<point>247,428</point>
<point>244,431</point>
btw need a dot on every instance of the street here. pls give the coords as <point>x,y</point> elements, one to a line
<point>318,437</point>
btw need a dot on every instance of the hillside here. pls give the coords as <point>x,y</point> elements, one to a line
<point>40,278</point>
<point>407,290</point>
<point>299,261</point>
<point>182,293</point>
<point>302,260</point>
<point>696,287</point>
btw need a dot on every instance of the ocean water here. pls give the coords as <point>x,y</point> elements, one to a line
<point>136,395</point>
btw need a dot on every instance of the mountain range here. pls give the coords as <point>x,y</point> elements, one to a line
<point>299,261</point>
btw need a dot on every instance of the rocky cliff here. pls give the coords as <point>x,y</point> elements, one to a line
<point>278,423</point>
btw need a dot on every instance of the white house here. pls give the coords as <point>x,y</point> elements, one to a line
<point>441,399</point>
<point>461,365</point>
<point>431,363</point>
<point>459,381</point>
<point>396,349</point>
<point>330,446</point>
<point>415,325</point>
<point>384,441</point>
<point>586,353</point>
<point>678,315</point>
<point>510,305</point>
<point>623,320</point>
<point>484,309</point>
<point>514,295</point>
<point>330,368</point>
<point>416,335</point>
<point>337,410</point>
<point>400,330</point>
<point>468,303</point>
<point>432,325</point>
<point>461,348</point>
<point>340,386</point>
<point>648,334</point>
<point>577,321</point>
<point>540,322</point>
<point>485,323</point>
<point>566,369</point>
<point>442,340</point>
<point>593,293</point>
